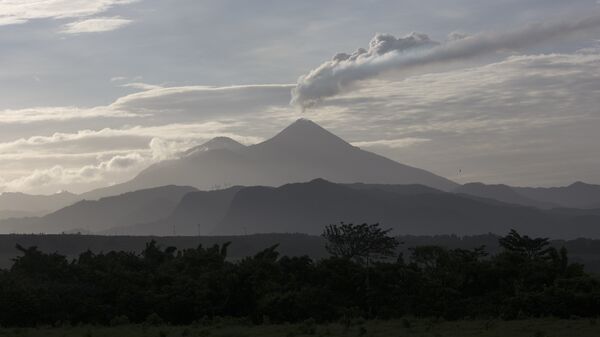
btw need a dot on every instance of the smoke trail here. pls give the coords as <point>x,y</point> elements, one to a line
<point>387,53</point>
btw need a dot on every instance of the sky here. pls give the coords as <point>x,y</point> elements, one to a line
<point>94,91</point>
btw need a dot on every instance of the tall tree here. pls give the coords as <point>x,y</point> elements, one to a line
<point>532,248</point>
<point>362,243</point>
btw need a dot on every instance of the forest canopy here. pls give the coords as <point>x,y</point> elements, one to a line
<point>528,278</point>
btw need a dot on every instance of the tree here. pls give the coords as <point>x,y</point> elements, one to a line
<point>362,243</point>
<point>526,246</point>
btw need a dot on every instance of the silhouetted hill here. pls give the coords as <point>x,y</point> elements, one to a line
<point>398,189</point>
<point>197,214</point>
<point>19,214</point>
<point>576,211</point>
<point>577,195</point>
<point>98,215</point>
<point>308,207</point>
<point>502,193</point>
<point>301,152</point>
<point>35,204</point>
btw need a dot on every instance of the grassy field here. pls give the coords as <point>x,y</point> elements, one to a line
<point>395,328</point>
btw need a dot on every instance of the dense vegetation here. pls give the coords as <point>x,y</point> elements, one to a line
<point>584,251</point>
<point>405,327</point>
<point>528,278</point>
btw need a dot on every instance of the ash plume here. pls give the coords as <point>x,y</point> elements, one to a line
<point>387,53</point>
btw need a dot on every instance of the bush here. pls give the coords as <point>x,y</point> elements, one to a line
<point>308,327</point>
<point>154,319</point>
<point>119,320</point>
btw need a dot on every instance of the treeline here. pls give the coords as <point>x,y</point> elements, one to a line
<point>585,251</point>
<point>527,279</point>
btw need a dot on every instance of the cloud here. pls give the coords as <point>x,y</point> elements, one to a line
<point>127,138</point>
<point>329,78</point>
<point>518,92</point>
<point>141,86</point>
<point>118,78</point>
<point>392,143</point>
<point>163,149</point>
<point>41,114</point>
<point>455,36</point>
<point>86,159</point>
<point>82,141</point>
<point>58,177</point>
<point>387,54</point>
<point>95,25</point>
<point>21,11</point>
<point>205,100</point>
<point>539,111</point>
<point>154,100</point>
<point>37,178</point>
<point>123,162</point>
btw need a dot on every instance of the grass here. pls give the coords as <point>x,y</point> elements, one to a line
<point>395,328</point>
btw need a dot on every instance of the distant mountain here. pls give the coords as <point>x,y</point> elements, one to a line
<point>398,189</point>
<point>197,214</point>
<point>577,195</point>
<point>22,203</point>
<point>502,193</point>
<point>301,152</point>
<point>202,212</point>
<point>99,215</point>
<point>308,207</point>
<point>217,143</point>
<point>20,214</point>
<point>576,211</point>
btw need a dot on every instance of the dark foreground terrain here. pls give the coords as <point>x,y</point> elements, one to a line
<point>402,327</point>
<point>526,279</point>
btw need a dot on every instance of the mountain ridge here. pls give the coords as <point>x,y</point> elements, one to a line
<point>307,207</point>
<point>96,215</point>
<point>300,152</point>
<point>575,195</point>
<point>35,204</point>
